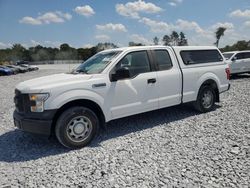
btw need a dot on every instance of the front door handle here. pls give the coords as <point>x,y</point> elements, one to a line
<point>151,81</point>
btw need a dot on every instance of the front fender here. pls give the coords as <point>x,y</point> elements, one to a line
<point>62,99</point>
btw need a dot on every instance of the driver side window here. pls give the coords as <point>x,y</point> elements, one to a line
<point>136,62</point>
<point>239,56</point>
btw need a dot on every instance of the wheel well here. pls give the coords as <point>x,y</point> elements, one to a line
<point>212,84</point>
<point>82,102</point>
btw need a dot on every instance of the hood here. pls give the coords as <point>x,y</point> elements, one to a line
<point>44,84</point>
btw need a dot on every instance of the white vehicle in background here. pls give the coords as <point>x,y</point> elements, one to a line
<point>117,83</point>
<point>239,61</point>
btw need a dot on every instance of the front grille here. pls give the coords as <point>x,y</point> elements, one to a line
<point>21,101</point>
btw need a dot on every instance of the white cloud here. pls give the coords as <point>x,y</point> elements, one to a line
<point>88,46</point>
<point>227,25</point>
<point>46,18</point>
<point>188,25</point>
<point>112,27</point>
<point>30,20</point>
<point>207,37</point>
<point>156,26</point>
<point>240,14</point>
<point>86,10</point>
<point>102,37</point>
<point>163,27</point>
<point>177,1</point>
<point>140,39</point>
<point>67,16</point>
<point>247,23</point>
<point>132,9</point>
<point>174,3</point>
<point>50,17</point>
<point>195,34</point>
<point>34,43</point>
<point>49,43</point>
<point>5,45</point>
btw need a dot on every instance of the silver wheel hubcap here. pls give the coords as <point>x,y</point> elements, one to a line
<point>79,129</point>
<point>207,99</point>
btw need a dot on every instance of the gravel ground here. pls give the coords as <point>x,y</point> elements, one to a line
<point>173,147</point>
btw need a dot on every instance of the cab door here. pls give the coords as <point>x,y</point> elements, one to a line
<point>168,77</point>
<point>135,94</point>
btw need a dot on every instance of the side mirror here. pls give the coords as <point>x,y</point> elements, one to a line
<point>121,73</point>
<point>234,58</point>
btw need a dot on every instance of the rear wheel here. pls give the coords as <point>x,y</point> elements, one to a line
<point>206,99</point>
<point>76,127</point>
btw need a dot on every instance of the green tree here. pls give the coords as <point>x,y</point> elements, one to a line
<point>174,38</point>
<point>182,40</point>
<point>156,40</point>
<point>17,52</point>
<point>84,53</point>
<point>238,46</point>
<point>166,40</point>
<point>65,47</point>
<point>218,34</point>
<point>135,44</point>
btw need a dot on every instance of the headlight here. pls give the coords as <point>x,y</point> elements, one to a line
<point>37,102</point>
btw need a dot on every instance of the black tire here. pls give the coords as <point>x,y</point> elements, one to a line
<point>203,104</point>
<point>76,127</point>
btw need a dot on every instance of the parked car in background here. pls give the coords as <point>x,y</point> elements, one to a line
<point>22,63</point>
<point>29,67</point>
<point>34,67</point>
<point>19,68</point>
<point>14,69</point>
<point>5,71</point>
<point>23,67</point>
<point>239,61</point>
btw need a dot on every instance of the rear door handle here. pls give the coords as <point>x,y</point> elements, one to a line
<point>151,81</point>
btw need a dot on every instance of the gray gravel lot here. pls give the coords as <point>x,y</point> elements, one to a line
<point>165,148</point>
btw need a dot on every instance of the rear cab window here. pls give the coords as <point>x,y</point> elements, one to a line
<point>191,57</point>
<point>243,55</point>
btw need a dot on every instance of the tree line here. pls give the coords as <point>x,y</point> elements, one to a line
<point>66,52</point>
<point>238,46</point>
<point>41,53</point>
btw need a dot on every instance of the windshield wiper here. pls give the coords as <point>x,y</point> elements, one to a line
<point>79,71</point>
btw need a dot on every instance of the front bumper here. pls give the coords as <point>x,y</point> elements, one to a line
<point>38,123</point>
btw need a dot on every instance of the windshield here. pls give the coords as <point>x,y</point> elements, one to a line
<point>228,55</point>
<point>97,63</point>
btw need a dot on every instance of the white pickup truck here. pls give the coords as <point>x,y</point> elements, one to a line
<point>117,83</point>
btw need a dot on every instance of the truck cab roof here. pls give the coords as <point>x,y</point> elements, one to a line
<point>157,47</point>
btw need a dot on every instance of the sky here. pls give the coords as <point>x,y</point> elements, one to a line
<point>84,23</point>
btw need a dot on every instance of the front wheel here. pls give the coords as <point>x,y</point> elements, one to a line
<point>76,127</point>
<point>206,99</point>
